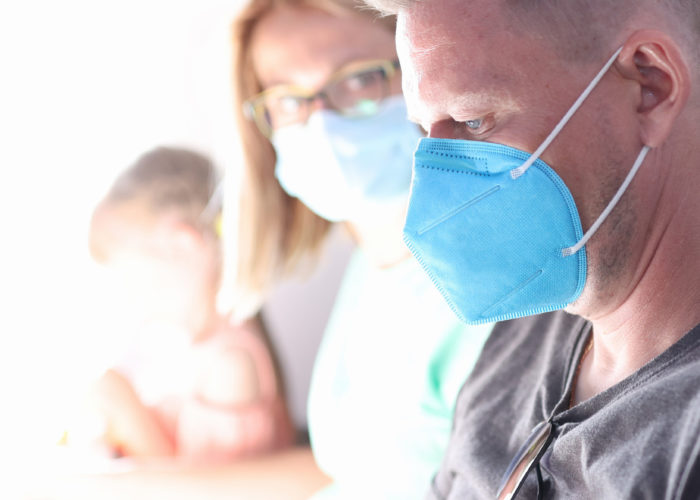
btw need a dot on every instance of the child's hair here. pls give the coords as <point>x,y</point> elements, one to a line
<point>162,182</point>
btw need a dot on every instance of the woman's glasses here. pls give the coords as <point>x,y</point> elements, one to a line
<point>355,90</point>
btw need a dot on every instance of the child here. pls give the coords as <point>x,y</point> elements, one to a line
<point>192,385</point>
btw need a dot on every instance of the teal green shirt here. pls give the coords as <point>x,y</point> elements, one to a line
<point>385,382</point>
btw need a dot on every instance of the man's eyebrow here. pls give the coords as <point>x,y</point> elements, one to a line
<point>464,107</point>
<point>475,101</point>
<point>473,105</point>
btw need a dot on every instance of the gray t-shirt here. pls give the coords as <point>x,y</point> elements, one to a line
<point>640,439</point>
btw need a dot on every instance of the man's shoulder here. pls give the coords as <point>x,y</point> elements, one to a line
<point>525,356</point>
<point>552,323</point>
<point>675,372</point>
<point>547,337</point>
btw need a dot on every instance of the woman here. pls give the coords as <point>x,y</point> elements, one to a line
<point>326,140</point>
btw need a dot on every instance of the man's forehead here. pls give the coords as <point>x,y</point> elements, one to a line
<point>444,21</point>
<point>476,32</point>
<point>451,59</point>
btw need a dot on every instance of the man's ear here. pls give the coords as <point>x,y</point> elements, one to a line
<point>655,62</point>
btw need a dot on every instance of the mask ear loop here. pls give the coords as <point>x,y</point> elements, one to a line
<point>601,218</point>
<point>213,208</point>
<point>517,172</point>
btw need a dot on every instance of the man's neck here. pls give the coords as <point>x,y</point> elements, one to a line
<point>661,308</point>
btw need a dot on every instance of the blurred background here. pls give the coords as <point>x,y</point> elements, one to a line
<point>85,88</point>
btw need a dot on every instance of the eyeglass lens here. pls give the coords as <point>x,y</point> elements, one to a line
<point>355,94</point>
<point>358,93</point>
<point>528,455</point>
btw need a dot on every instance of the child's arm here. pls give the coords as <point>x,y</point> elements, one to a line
<point>131,427</point>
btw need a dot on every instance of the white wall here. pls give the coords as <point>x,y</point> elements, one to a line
<point>296,314</point>
<point>86,87</point>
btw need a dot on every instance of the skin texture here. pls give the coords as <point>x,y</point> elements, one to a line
<point>131,427</point>
<point>644,279</point>
<point>280,47</point>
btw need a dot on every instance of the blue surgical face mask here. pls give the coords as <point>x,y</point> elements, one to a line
<point>496,228</point>
<point>346,169</point>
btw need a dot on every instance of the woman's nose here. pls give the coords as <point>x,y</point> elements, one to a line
<point>319,102</point>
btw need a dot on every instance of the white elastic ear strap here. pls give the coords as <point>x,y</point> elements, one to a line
<point>517,172</point>
<point>214,204</point>
<point>601,218</point>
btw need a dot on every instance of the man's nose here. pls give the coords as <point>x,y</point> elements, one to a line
<point>448,129</point>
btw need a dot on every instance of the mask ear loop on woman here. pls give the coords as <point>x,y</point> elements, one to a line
<point>517,172</point>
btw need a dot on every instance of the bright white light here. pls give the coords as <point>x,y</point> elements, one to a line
<point>87,86</point>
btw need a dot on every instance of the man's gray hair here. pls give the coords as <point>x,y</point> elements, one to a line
<point>580,27</point>
<point>390,7</point>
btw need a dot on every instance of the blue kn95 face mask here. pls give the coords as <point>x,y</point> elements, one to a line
<point>496,228</point>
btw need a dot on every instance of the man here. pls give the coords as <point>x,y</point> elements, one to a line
<point>559,406</point>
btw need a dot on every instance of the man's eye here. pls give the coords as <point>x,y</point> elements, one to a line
<point>479,127</point>
<point>474,125</point>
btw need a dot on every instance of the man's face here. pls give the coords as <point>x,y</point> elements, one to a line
<point>470,72</point>
<point>468,75</point>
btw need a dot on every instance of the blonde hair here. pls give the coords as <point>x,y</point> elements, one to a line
<point>275,230</point>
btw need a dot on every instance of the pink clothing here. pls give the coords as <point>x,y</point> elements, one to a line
<point>211,431</point>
